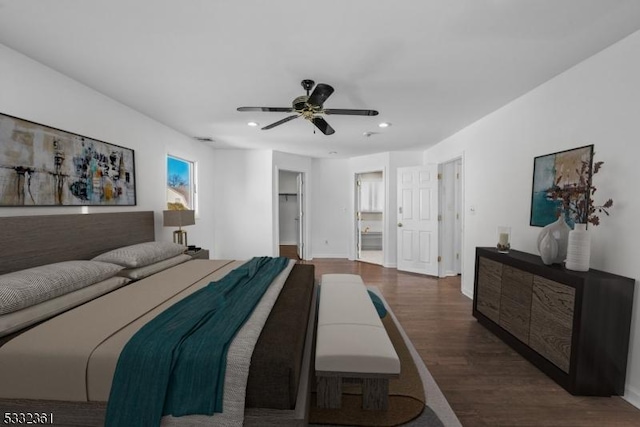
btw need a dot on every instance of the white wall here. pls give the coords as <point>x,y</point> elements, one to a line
<point>31,91</point>
<point>287,182</point>
<point>597,102</point>
<point>330,226</point>
<point>243,208</point>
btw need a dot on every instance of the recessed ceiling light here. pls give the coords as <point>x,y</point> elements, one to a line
<point>253,124</point>
<point>332,153</point>
<point>384,125</point>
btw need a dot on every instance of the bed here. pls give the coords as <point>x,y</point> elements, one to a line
<point>277,381</point>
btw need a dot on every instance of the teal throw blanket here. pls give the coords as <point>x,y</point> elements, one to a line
<point>378,304</point>
<point>176,363</point>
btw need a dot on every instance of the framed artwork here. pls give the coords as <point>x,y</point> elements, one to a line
<point>560,170</point>
<point>44,166</point>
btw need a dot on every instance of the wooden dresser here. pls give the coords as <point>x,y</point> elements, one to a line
<point>574,326</point>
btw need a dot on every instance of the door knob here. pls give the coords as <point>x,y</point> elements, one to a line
<point>399,224</point>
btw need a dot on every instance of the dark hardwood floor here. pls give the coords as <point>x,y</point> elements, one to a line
<point>289,251</point>
<point>485,382</point>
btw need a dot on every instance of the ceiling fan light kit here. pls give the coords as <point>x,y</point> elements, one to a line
<point>311,108</point>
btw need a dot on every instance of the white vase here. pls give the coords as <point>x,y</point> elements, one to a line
<point>548,249</point>
<point>579,249</point>
<point>558,231</point>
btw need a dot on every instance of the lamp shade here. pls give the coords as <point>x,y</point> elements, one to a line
<point>178,218</point>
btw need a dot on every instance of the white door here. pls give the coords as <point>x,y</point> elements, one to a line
<point>300,218</point>
<point>358,217</point>
<point>418,219</point>
<point>458,227</point>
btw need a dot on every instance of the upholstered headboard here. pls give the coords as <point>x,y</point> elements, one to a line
<point>29,241</point>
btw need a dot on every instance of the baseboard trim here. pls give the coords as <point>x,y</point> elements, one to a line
<point>344,256</point>
<point>632,396</point>
<point>468,294</point>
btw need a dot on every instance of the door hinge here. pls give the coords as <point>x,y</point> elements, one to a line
<point>457,256</point>
<point>439,217</point>
<point>358,183</point>
<point>439,176</point>
<point>439,258</point>
<point>458,175</point>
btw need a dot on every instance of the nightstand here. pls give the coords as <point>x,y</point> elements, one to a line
<point>200,254</point>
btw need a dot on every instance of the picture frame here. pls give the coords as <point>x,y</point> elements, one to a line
<point>45,166</point>
<point>560,169</point>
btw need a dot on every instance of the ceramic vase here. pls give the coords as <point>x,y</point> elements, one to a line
<point>557,231</point>
<point>579,249</point>
<point>548,248</point>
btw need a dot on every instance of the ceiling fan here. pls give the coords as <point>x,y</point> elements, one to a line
<point>311,107</point>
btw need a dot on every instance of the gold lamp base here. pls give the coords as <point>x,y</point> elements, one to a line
<point>180,237</point>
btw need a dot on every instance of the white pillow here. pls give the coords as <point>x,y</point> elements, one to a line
<point>141,254</point>
<point>28,287</point>
<point>24,317</point>
<point>142,272</point>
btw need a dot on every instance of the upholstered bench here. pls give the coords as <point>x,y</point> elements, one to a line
<point>352,343</point>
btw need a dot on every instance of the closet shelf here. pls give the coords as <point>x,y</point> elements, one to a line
<point>286,195</point>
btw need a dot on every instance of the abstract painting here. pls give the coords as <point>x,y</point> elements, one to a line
<point>43,166</point>
<point>561,169</point>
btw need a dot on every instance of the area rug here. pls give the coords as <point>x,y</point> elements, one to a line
<point>414,399</point>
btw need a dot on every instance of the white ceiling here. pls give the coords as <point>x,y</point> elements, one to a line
<point>431,67</point>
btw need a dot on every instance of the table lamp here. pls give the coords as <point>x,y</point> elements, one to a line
<point>179,219</point>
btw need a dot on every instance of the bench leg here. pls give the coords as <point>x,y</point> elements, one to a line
<point>375,394</point>
<point>329,392</point>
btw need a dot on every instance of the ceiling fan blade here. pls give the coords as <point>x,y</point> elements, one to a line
<point>349,112</point>
<point>272,109</point>
<point>279,122</point>
<point>323,125</point>
<point>320,94</point>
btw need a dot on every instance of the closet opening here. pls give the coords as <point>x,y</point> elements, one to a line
<point>291,214</point>
<point>369,198</point>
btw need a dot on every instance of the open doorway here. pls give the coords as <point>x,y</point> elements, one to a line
<point>291,214</point>
<point>451,208</point>
<point>369,217</point>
